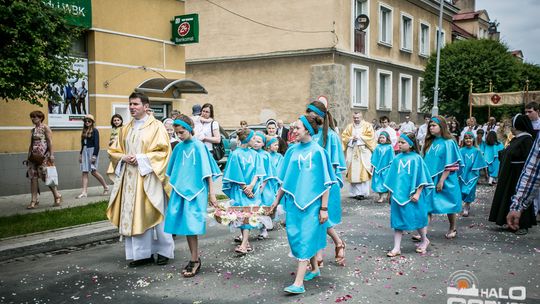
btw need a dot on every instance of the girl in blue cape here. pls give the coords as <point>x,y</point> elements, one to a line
<point>327,138</point>
<point>382,157</point>
<point>443,159</point>
<point>410,186</point>
<point>191,172</point>
<point>242,180</point>
<point>491,155</point>
<point>269,185</point>
<point>273,146</point>
<point>473,162</point>
<point>306,176</point>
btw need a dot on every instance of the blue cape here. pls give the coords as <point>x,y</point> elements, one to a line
<point>269,169</point>
<point>190,164</point>
<point>473,162</point>
<point>406,174</point>
<point>335,151</point>
<point>276,159</point>
<point>242,166</point>
<point>491,153</point>
<point>306,173</point>
<point>382,157</point>
<point>441,154</point>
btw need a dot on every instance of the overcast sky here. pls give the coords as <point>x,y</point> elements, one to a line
<point>519,24</point>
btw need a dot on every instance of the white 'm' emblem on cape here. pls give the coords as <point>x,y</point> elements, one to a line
<point>470,156</point>
<point>302,158</point>
<point>436,148</point>
<point>188,155</point>
<point>246,161</point>
<point>403,165</point>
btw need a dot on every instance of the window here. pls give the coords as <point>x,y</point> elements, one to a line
<point>123,110</point>
<point>384,90</point>
<point>421,98</point>
<point>443,41</point>
<point>359,86</point>
<point>424,39</point>
<point>405,93</point>
<point>406,32</point>
<point>385,25</point>
<point>360,38</point>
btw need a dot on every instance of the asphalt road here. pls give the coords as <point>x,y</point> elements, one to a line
<point>99,274</point>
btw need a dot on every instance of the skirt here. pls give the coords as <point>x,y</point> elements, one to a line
<point>86,164</point>
<point>185,217</point>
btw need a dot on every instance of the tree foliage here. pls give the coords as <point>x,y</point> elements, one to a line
<point>35,48</point>
<point>478,61</point>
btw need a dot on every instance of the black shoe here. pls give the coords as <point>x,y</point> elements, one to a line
<point>141,262</point>
<point>161,260</point>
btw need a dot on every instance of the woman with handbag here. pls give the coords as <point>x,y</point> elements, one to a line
<point>88,157</point>
<point>209,132</point>
<point>40,153</point>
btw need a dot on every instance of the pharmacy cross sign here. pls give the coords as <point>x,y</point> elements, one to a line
<point>185,29</point>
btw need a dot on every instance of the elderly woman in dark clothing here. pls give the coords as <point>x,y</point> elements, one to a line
<point>512,161</point>
<point>88,157</point>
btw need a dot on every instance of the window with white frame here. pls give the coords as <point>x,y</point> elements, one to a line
<point>360,38</point>
<point>123,110</point>
<point>405,92</point>
<point>359,86</point>
<point>406,32</point>
<point>421,98</point>
<point>385,24</point>
<point>384,90</point>
<point>443,41</point>
<point>424,39</point>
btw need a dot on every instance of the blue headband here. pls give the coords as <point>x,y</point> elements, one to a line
<point>385,134</point>
<point>185,125</point>
<point>436,120</point>
<point>261,135</point>
<point>307,125</point>
<point>469,133</point>
<point>407,139</point>
<point>316,110</point>
<point>249,137</point>
<point>271,141</point>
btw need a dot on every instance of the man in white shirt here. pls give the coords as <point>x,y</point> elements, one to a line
<point>422,132</point>
<point>407,126</point>
<point>385,121</point>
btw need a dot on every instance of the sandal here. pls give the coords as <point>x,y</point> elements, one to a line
<point>240,250</point>
<point>238,239</point>
<point>106,191</point>
<point>416,238</point>
<point>33,205</point>
<point>451,235</point>
<point>82,195</point>
<point>57,201</point>
<point>188,271</point>
<point>340,254</point>
<point>422,249</point>
<point>392,254</point>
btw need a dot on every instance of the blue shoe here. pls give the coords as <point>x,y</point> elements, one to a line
<point>295,289</point>
<point>311,275</point>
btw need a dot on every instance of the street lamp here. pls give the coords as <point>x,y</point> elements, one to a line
<point>435,109</point>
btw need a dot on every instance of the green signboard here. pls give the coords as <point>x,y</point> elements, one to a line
<point>78,12</point>
<point>185,29</point>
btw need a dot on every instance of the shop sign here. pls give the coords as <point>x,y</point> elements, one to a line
<point>78,12</point>
<point>185,29</point>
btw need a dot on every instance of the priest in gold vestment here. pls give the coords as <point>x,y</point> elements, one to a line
<point>358,141</point>
<point>141,189</point>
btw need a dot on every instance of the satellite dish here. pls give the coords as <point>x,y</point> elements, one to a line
<point>361,22</point>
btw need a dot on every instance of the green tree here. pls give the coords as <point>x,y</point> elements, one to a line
<point>34,50</point>
<point>462,61</point>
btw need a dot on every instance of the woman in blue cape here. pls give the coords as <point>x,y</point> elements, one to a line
<point>442,157</point>
<point>331,142</point>
<point>306,176</point>
<point>491,155</point>
<point>382,157</point>
<point>242,179</point>
<point>410,185</point>
<point>469,174</point>
<point>191,172</point>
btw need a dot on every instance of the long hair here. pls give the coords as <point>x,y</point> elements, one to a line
<point>210,107</point>
<point>473,140</point>
<point>412,137</point>
<point>88,130</point>
<point>121,121</point>
<point>327,120</point>
<point>445,132</point>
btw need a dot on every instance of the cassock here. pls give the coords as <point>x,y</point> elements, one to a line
<point>358,156</point>
<point>138,198</point>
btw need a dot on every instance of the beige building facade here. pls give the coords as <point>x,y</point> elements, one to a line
<point>268,59</point>
<point>128,42</point>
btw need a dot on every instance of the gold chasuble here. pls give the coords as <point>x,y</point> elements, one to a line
<point>358,152</point>
<point>137,202</point>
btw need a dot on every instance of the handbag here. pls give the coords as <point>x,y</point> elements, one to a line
<point>52,176</point>
<point>218,150</point>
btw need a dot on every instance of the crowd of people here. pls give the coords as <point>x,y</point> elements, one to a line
<point>164,175</point>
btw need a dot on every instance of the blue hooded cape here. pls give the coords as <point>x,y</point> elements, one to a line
<point>444,153</point>
<point>382,157</point>
<point>272,183</point>
<point>406,174</point>
<point>468,174</point>
<point>242,166</point>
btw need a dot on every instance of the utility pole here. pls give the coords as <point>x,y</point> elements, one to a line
<point>435,109</point>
